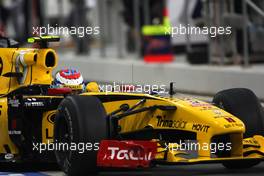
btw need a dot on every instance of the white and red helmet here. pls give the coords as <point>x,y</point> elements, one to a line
<point>71,78</point>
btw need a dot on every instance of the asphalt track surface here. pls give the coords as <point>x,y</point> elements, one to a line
<point>207,169</point>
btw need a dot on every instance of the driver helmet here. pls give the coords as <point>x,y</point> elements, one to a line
<point>70,78</point>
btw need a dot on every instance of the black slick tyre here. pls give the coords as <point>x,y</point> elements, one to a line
<point>80,121</point>
<point>245,105</point>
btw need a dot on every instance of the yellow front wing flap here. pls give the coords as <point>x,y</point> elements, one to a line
<point>253,148</point>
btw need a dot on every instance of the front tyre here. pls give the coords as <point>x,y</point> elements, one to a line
<point>80,124</point>
<point>244,104</point>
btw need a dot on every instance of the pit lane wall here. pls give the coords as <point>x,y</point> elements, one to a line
<point>204,79</point>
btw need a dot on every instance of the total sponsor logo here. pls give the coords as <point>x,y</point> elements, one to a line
<point>117,154</point>
<point>163,122</point>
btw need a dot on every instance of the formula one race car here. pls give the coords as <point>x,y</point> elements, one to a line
<point>93,130</point>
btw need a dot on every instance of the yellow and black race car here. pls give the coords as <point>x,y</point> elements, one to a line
<point>93,130</point>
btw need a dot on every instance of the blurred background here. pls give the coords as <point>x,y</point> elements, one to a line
<point>132,46</point>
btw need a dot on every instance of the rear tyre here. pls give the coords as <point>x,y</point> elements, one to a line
<point>245,105</point>
<point>80,121</point>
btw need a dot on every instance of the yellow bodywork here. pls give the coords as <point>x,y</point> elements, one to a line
<point>39,64</point>
<point>5,139</point>
<point>202,119</point>
<point>35,67</point>
<point>191,115</point>
<point>47,126</point>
